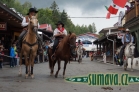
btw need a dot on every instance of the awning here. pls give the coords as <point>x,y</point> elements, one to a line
<point>48,33</point>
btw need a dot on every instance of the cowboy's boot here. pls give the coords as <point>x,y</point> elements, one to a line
<point>19,45</point>
<point>39,48</point>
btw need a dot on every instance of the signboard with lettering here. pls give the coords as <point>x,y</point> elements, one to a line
<point>3,26</point>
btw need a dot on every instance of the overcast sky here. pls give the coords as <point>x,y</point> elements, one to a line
<point>82,8</point>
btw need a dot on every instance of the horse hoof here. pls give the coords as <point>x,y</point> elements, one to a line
<point>125,69</point>
<point>32,76</point>
<point>55,76</point>
<point>19,75</point>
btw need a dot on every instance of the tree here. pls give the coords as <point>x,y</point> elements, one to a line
<point>50,16</point>
<point>94,28</point>
<point>55,12</point>
<point>64,17</point>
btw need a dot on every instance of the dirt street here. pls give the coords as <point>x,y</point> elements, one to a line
<point>43,82</point>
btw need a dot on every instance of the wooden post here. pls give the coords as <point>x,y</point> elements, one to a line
<point>97,47</point>
<point>100,47</point>
<point>136,7</point>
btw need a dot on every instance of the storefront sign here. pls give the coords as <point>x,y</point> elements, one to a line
<point>3,26</point>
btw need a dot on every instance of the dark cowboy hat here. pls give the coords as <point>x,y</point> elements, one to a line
<point>32,10</point>
<point>60,22</point>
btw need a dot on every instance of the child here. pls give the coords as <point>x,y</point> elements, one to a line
<point>12,54</point>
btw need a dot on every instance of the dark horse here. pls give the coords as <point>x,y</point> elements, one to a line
<point>63,52</point>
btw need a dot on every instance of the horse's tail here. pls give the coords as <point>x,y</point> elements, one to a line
<point>49,52</point>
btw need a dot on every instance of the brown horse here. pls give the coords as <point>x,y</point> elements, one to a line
<point>63,52</point>
<point>29,47</point>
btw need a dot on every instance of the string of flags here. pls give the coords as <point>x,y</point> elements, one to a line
<point>114,7</point>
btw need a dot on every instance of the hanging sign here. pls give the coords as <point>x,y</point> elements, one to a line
<point>3,26</point>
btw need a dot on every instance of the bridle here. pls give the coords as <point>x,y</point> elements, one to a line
<point>69,43</point>
<point>35,27</point>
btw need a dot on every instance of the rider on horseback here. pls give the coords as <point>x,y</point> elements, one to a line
<point>59,33</point>
<point>25,22</point>
<point>126,39</point>
<point>79,43</point>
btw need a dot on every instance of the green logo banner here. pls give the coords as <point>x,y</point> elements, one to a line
<point>105,79</point>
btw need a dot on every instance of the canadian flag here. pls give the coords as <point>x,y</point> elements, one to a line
<point>113,9</point>
<point>120,3</point>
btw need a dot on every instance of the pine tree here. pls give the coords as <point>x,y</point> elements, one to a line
<point>55,12</point>
<point>64,17</point>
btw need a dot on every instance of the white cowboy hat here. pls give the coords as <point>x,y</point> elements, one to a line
<point>127,30</point>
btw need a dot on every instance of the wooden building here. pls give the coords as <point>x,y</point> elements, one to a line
<point>10,25</point>
<point>131,21</point>
<point>108,43</point>
<point>10,28</point>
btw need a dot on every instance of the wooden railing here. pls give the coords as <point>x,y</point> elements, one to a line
<point>133,13</point>
<point>130,14</point>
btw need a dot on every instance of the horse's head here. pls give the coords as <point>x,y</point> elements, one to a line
<point>72,42</point>
<point>34,23</point>
<point>132,48</point>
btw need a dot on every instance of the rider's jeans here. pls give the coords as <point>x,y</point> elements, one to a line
<point>121,52</point>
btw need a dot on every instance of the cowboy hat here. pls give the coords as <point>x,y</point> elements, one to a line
<point>127,30</point>
<point>60,22</point>
<point>32,10</point>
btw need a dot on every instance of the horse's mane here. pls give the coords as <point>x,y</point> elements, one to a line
<point>66,38</point>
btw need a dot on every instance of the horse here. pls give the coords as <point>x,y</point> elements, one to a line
<point>128,53</point>
<point>79,53</point>
<point>63,52</point>
<point>29,47</point>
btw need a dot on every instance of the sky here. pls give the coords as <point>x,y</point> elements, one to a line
<point>82,8</point>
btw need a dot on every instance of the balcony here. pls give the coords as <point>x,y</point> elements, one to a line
<point>132,14</point>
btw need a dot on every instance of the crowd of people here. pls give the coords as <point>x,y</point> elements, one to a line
<point>132,4</point>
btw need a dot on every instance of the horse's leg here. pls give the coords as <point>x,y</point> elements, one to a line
<point>125,63</point>
<point>32,65</point>
<point>29,65</point>
<point>131,63</point>
<point>52,68</point>
<point>65,64</point>
<point>58,68</point>
<point>79,59</point>
<point>26,63</point>
<point>20,67</point>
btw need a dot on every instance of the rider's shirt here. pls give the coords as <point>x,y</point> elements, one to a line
<point>25,23</point>
<point>127,38</point>
<point>56,31</point>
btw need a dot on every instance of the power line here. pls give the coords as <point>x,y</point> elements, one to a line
<point>93,17</point>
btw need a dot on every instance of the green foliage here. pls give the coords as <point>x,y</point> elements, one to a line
<point>50,15</point>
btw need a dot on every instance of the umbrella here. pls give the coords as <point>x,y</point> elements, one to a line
<point>86,42</point>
